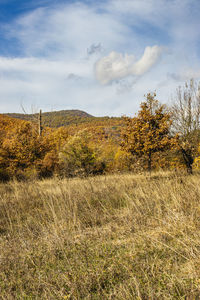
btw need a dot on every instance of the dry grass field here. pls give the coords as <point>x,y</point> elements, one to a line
<point>112,237</point>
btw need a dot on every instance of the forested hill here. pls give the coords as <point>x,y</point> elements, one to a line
<point>56,118</point>
<point>63,118</point>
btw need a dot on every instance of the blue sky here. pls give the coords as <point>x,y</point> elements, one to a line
<point>98,56</point>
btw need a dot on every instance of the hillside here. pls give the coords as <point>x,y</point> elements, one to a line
<point>61,118</point>
<point>6,120</point>
<point>6,123</point>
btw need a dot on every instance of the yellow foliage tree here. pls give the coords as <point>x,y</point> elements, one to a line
<point>78,156</point>
<point>54,140</point>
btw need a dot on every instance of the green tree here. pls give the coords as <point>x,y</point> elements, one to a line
<point>78,156</point>
<point>149,131</point>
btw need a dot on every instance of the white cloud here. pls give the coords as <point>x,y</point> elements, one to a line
<point>42,66</point>
<point>116,66</point>
<point>61,45</point>
<point>150,57</point>
<point>54,44</point>
<point>67,31</point>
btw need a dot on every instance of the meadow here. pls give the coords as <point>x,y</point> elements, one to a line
<point>104,237</point>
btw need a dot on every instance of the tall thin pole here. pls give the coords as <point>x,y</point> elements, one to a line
<point>40,123</point>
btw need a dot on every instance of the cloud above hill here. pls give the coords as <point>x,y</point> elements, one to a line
<point>98,56</point>
<point>116,66</point>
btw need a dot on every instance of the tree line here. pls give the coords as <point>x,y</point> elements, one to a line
<point>157,137</point>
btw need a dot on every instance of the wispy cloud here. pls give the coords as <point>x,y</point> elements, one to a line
<point>101,57</point>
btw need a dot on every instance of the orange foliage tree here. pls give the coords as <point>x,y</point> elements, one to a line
<point>149,131</point>
<point>21,148</point>
<point>24,153</point>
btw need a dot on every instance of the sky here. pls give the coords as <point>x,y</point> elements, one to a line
<point>101,56</point>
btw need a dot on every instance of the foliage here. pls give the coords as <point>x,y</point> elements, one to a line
<point>124,161</point>
<point>149,132</point>
<point>23,151</point>
<point>54,141</point>
<point>90,145</point>
<point>62,118</point>
<point>79,155</point>
<point>21,148</point>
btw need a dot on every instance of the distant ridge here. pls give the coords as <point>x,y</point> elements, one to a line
<point>60,118</point>
<point>56,118</point>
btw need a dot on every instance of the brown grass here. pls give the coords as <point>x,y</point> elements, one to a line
<point>113,237</point>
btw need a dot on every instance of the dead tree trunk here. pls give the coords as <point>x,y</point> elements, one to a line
<point>149,162</point>
<point>40,123</point>
<point>188,160</point>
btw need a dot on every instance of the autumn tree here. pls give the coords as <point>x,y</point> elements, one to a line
<point>79,155</point>
<point>21,148</point>
<point>6,125</point>
<point>149,131</point>
<point>186,121</point>
<point>53,140</point>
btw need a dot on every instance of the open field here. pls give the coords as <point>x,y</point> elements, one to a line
<point>113,237</point>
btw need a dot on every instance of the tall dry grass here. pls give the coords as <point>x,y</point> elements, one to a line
<point>113,237</point>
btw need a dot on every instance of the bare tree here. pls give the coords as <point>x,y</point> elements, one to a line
<point>36,118</point>
<point>40,123</point>
<point>186,120</point>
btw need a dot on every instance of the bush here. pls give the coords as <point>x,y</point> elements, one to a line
<point>79,156</point>
<point>4,176</point>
